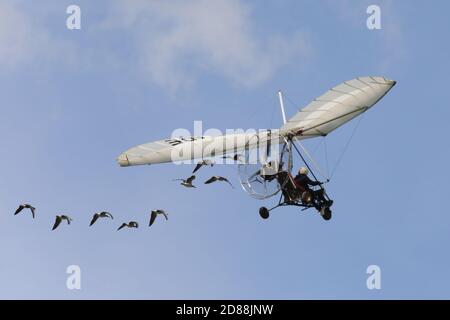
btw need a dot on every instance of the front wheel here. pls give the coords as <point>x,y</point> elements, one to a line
<point>325,212</point>
<point>264,213</point>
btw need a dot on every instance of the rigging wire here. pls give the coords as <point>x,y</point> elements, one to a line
<point>326,156</point>
<point>346,146</point>
<point>316,147</point>
<point>308,154</point>
<point>328,174</point>
<point>313,161</point>
<point>304,161</point>
<point>312,172</point>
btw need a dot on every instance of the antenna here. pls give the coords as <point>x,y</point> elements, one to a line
<point>280,96</point>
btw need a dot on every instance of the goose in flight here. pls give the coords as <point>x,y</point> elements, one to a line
<point>59,219</point>
<point>155,213</point>
<point>205,162</point>
<point>187,182</point>
<point>102,214</point>
<point>236,157</point>
<point>26,206</point>
<point>218,178</point>
<point>131,224</point>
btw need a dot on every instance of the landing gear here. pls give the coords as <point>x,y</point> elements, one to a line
<point>323,208</point>
<point>264,213</point>
<point>325,212</point>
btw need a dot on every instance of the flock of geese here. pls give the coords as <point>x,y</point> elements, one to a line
<point>154,213</point>
<point>95,217</point>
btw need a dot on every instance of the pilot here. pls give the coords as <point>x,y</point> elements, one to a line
<point>304,182</point>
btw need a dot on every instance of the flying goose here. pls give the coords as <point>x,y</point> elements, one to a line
<point>187,182</point>
<point>131,224</point>
<point>155,213</point>
<point>218,178</point>
<point>205,162</point>
<point>26,206</point>
<point>102,214</point>
<point>236,157</point>
<point>59,219</point>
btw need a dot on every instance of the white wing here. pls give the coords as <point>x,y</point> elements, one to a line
<point>337,106</point>
<point>181,149</point>
<point>320,117</point>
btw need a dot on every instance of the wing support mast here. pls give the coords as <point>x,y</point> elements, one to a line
<point>283,113</point>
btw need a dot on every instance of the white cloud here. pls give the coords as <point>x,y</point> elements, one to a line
<point>177,40</point>
<point>25,40</point>
<point>17,41</point>
<point>394,45</point>
<point>172,42</point>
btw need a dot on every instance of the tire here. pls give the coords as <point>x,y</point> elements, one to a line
<point>325,212</point>
<point>264,213</point>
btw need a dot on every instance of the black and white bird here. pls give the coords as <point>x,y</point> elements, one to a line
<point>26,206</point>
<point>102,214</point>
<point>187,182</point>
<point>218,178</point>
<point>236,157</point>
<point>59,219</point>
<point>131,224</point>
<point>205,162</point>
<point>155,213</point>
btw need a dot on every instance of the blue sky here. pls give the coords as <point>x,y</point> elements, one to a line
<point>73,100</point>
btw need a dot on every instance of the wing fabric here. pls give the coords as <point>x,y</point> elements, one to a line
<point>181,149</point>
<point>323,115</point>
<point>337,106</point>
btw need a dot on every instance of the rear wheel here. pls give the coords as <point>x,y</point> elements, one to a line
<point>264,213</point>
<point>325,212</point>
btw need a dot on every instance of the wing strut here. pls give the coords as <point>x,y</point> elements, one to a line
<point>283,113</point>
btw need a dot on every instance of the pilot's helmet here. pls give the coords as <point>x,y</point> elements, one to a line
<point>303,170</point>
